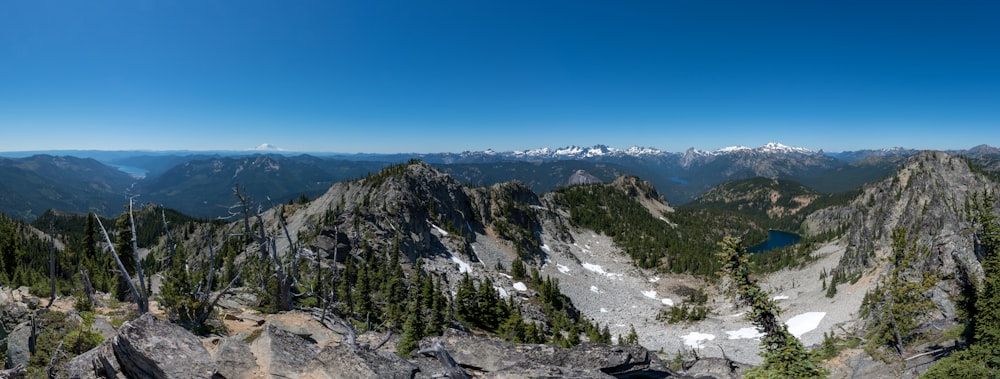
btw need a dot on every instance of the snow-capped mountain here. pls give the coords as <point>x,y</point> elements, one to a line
<point>604,151</point>
<point>578,152</point>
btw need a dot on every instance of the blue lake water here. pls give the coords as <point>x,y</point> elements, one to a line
<point>678,180</point>
<point>134,171</point>
<point>776,239</point>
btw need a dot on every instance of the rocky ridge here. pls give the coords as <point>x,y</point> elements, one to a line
<point>149,347</point>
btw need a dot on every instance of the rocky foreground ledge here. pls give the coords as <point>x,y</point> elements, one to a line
<point>150,347</point>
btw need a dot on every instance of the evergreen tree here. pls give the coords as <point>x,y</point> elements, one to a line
<point>982,358</point>
<point>344,284</point>
<point>900,300</point>
<point>466,304</point>
<point>123,245</point>
<point>412,330</point>
<point>517,269</point>
<point>361,293</point>
<point>784,355</point>
<point>439,310</point>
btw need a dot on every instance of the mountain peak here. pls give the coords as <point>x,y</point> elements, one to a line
<point>267,147</point>
<point>774,147</point>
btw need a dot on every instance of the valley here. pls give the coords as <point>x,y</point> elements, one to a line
<point>405,249</point>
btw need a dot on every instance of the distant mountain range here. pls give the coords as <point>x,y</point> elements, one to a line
<point>201,183</point>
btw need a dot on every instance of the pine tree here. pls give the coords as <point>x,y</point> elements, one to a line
<point>344,283</point>
<point>784,355</point>
<point>896,310</point>
<point>517,269</point>
<point>123,245</point>
<point>361,293</point>
<point>439,310</point>
<point>412,329</point>
<point>466,305</point>
<point>982,358</point>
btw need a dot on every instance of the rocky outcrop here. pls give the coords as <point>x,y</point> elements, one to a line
<point>152,348</point>
<point>927,197</point>
<point>149,347</point>
<point>146,347</point>
<point>234,359</point>
<point>342,361</point>
<point>581,177</point>
<point>19,345</point>
<point>589,360</point>
<point>282,354</point>
<point>98,362</point>
<point>334,244</point>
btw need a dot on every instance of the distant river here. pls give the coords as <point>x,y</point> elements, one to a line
<point>776,239</point>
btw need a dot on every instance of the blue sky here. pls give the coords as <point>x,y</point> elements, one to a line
<point>435,76</point>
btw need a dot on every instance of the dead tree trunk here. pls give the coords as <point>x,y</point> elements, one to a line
<point>452,369</point>
<point>144,298</point>
<point>52,264</point>
<point>170,240</point>
<point>140,302</point>
<point>88,288</point>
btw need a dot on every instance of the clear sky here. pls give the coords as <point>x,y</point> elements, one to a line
<point>437,76</point>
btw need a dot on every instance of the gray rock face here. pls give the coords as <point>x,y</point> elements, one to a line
<point>505,359</point>
<point>582,177</point>
<point>234,358</point>
<point>329,241</point>
<point>99,362</point>
<point>716,368</point>
<point>152,348</point>
<point>282,354</point>
<point>18,349</point>
<point>534,370</point>
<point>340,361</point>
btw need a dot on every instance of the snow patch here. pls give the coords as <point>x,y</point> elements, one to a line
<point>520,286</point>
<point>600,270</point>
<point>667,302</point>
<point>443,233</point>
<point>604,310</point>
<point>563,269</point>
<point>696,339</point>
<point>654,279</point>
<point>594,289</point>
<point>462,266</point>
<point>650,294</point>
<point>595,268</point>
<point>803,323</point>
<point>502,292</point>
<point>744,333</point>
<point>781,297</point>
<point>546,247</point>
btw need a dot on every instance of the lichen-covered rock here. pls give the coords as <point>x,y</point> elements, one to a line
<point>18,349</point>
<point>98,362</point>
<point>234,359</point>
<point>149,347</point>
<point>282,354</point>
<point>505,359</point>
<point>341,361</point>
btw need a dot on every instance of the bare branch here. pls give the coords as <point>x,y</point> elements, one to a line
<point>170,240</point>
<point>52,263</point>
<point>385,339</point>
<point>211,261</point>
<point>52,362</point>
<point>138,263</point>
<point>204,316</point>
<point>143,306</point>
<point>452,369</point>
